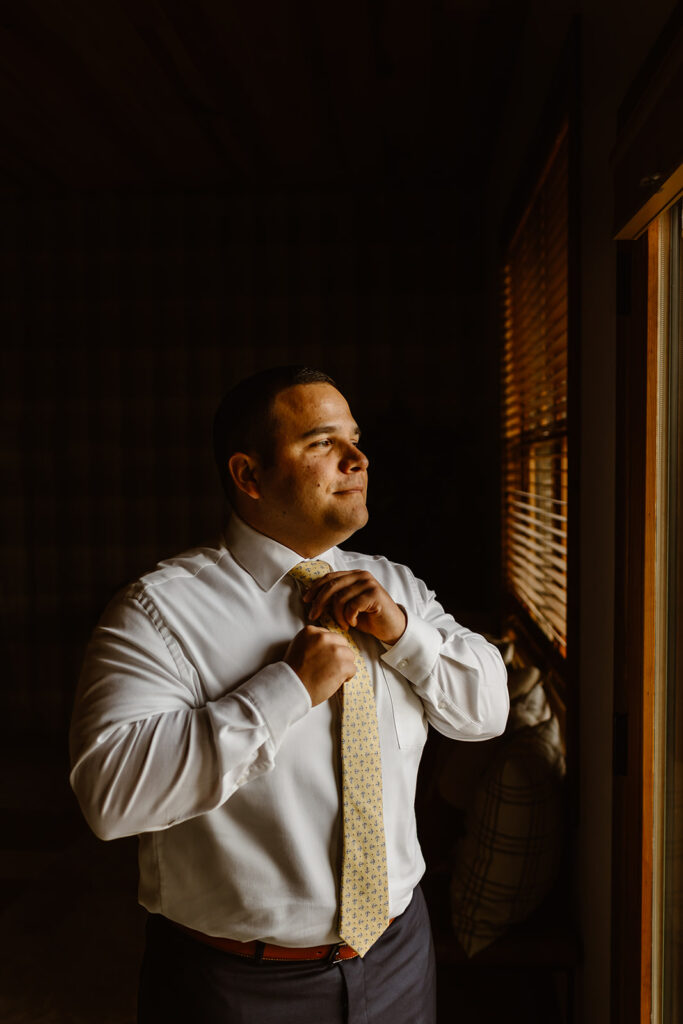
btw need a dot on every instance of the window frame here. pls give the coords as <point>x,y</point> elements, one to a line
<point>648,178</point>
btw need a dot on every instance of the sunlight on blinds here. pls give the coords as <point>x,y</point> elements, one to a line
<point>534,425</point>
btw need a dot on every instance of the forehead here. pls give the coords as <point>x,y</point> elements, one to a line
<point>306,406</point>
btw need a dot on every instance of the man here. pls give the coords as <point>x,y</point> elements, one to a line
<point>256,712</point>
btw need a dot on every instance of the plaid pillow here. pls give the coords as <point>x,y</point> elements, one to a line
<point>508,860</point>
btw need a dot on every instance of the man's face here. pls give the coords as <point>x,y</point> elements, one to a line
<point>313,491</point>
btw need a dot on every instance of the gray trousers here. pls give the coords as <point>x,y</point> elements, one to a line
<point>183,980</point>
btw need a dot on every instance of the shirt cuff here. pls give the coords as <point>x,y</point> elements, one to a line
<point>415,654</point>
<point>279,696</point>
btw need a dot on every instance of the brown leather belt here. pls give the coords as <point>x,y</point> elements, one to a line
<point>267,951</point>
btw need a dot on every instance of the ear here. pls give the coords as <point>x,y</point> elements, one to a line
<point>245,472</point>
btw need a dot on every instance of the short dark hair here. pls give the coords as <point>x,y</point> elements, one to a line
<point>243,420</point>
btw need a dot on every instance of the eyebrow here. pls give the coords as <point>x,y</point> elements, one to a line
<point>330,428</point>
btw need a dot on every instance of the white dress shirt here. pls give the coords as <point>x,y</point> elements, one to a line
<point>190,731</point>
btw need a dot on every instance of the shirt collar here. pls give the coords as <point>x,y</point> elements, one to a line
<point>265,559</point>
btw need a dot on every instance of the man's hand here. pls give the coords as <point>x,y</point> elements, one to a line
<point>322,660</point>
<point>357,599</point>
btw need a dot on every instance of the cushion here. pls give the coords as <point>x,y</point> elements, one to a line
<point>463,763</point>
<point>509,857</point>
<point>522,680</point>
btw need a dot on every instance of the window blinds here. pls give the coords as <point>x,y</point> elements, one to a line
<point>534,397</point>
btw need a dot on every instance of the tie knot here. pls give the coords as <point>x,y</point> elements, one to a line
<point>313,569</point>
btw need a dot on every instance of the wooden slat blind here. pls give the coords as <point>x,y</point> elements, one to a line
<point>534,397</point>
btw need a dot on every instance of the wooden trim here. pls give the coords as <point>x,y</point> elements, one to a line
<point>628,632</point>
<point>572,694</point>
<point>666,195</point>
<point>648,625</point>
<point>648,177</point>
<point>634,656</point>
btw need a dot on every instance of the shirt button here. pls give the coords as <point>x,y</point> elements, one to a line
<point>442,705</point>
<point>403,662</point>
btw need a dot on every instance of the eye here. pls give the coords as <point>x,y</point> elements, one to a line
<point>325,443</point>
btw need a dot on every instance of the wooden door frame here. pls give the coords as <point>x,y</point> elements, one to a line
<point>634,641</point>
<point>648,176</point>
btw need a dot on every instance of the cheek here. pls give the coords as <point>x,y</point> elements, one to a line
<point>311,479</point>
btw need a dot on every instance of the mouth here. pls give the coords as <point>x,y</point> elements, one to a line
<point>351,490</point>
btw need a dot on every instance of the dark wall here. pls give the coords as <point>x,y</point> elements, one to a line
<point>126,317</point>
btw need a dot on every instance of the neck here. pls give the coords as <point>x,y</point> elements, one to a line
<point>304,548</point>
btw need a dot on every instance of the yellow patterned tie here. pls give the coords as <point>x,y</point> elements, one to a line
<point>364,898</point>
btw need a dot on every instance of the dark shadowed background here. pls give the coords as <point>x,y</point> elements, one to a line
<point>193,191</point>
<point>190,193</point>
<point>132,314</point>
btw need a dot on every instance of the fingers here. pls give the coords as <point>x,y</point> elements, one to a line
<point>320,592</point>
<point>344,596</point>
<point>356,599</point>
<point>323,637</point>
<point>323,661</point>
<point>345,608</point>
<point>334,579</point>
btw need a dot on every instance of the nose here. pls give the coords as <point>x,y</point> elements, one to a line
<point>353,460</point>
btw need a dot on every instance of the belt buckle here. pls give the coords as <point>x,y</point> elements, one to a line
<point>333,955</point>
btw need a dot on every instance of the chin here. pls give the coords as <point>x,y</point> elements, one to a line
<point>347,526</point>
<point>357,522</point>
